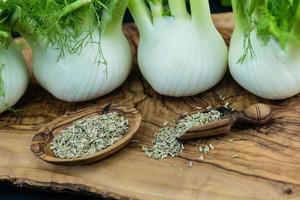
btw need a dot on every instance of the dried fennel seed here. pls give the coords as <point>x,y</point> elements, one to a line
<point>201,158</point>
<point>165,141</point>
<point>235,156</point>
<point>201,149</point>
<point>89,135</point>
<point>206,149</point>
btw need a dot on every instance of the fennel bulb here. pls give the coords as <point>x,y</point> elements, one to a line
<point>79,52</point>
<point>179,55</point>
<point>273,73</point>
<point>79,77</point>
<point>265,60</point>
<point>13,76</point>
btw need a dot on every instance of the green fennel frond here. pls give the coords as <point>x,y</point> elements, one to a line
<point>59,23</point>
<point>5,28</point>
<point>2,86</point>
<point>271,19</point>
<point>226,2</point>
<point>66,25</point>
<point>276,20</point>
<point>247,47</point>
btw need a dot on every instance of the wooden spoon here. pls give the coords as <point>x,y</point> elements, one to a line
<point>257,114</point>
<point>40,144</point>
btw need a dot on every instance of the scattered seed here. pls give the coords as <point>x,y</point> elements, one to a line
<point>184,114</point>
<point>180,169</point>
<point>201,157</point>
<point>165,142</point>
<point>232,109</point>
<point>198,107</point>
<point>165,124</point>
<point>226,104</point>
<point>190,164</point>
<point>174,165</point>
<point>135,141</point>
<point>211,147</point>
<point>230,140</point>
<point>206,149</point>
<point>208,107</point>
<point>200,149</point>
<point>223,98</point>
<point>234,156</point>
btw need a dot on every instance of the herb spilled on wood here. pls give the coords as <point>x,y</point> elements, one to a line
<point>166,143</point>
<point>89,135</point>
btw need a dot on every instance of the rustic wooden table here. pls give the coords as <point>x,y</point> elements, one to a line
<point>267,166</point>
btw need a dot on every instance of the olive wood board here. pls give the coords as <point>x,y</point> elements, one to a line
<point>249,163</point>
<point>41,142</point>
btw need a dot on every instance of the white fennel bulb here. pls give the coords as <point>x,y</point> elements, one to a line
<point>14,76</point>
<point>179,55</point>
<point>79,77</point>
<point>79,50</point>
<point>265,47</point>
<point>272,73</point>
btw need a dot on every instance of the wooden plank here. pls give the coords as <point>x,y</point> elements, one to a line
<point>267,165</point>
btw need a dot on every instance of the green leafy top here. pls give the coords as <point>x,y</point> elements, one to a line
<point>61,23</point>
<point>276,19</point>
<point>226,2</point>
<point>6,11</point>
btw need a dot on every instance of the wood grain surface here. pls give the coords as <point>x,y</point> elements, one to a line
<point>249,163</point>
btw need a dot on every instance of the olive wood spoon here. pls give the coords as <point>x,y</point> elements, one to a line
<point>257,114</point>
<point>40,145</point>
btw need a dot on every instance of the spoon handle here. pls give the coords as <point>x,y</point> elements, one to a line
<point>257,114</point>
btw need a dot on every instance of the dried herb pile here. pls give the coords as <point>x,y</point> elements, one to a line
<point>89,135</point>
<point>166,143</point>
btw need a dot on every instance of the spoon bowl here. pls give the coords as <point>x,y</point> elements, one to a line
<point>41,142</point>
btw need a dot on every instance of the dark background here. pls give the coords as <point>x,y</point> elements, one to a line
<point>11,192</point>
